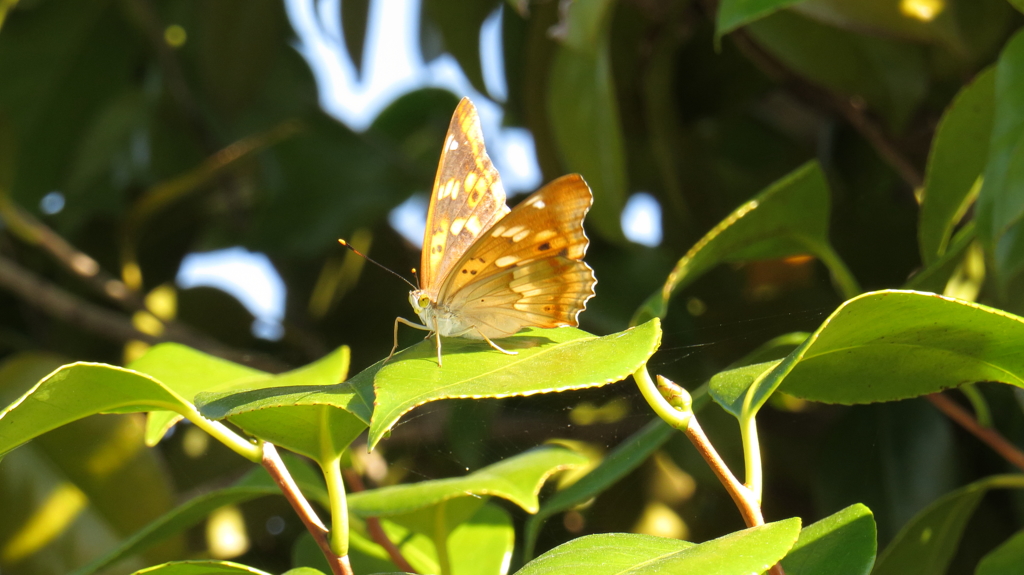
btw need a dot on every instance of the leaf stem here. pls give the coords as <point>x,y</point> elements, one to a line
<point>375,529</point>
<point>752,457</point>
<point>339,506</point>
<point>275,467</point>
<point>223,434</point>
<point>441,538</point>
<point>841,274</point>
<point>673,416</point>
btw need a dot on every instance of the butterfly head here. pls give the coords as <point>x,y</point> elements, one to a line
<point>420,301</point>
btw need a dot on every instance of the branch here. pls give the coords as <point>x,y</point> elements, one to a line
<point>273,464</point>
<point>65,306</point>
<point>373,526</point>
<point>987,435</point>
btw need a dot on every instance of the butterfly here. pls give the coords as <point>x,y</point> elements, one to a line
<point>486,271</point>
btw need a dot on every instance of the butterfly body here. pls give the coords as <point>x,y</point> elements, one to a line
<point>488,271</point>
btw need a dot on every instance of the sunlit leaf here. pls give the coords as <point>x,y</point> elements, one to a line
<point>548,360</point>
<point>517,479</point>
<point>204,568</point>
<point>928,542</point>
<point>957,159</point>
<point>752,550</point>
<point>887,346</point>
<point>788,218</point>
<point>841,544</point>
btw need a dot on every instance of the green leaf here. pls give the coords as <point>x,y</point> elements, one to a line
<point>626,457</point>
<point>1001,201</point>
<point>843,543</point>
<point>891,19</point>
<point>253,485</point>
<point>187,371</point>
<point>80,389</point>
<point>76,491</point>
<point>892,345</point>
<point>730,388</point>
<point>203,568</point>
<point>1018,4</point>
<point>790,217</point>
<point>1005,559</point>
<point>752,550</point>
<point>318,429</point>
<point>517,479</point>
<point>459,24</point>
<point>548,360</point>
<point>483,543</point>
<point>935,276</point>
<point>890,77</point>
<point>583,110</point>
<point>733,14</point>
<point>928,542</point>
<point>955,163</point>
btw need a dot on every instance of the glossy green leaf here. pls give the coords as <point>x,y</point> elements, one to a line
<point>483,543</point>
<point>626,457</point>
<point>1005,559</point>
<point>956,161</point>
<point>928,542</point>
<point>92,481</point>
<point>1000,205</point>
<point>887,346</point>
<point>319,430</point>
<point>517,479</point>
<point>891,345</point>
<point>790,217</point>
<point>733,14</point>
<point>843,543</point>
<point>548,360</point>
<point>187,371</point>
<point>730,388</point>
<point>583,111</point>
<point>80,389</point>
<point>935,276</point>
<point>849,63</point>
<point>752,550</point>
<point>204,568</point>
<point>253,485</point>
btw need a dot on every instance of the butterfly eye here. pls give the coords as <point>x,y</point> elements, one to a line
<point>424,301</point>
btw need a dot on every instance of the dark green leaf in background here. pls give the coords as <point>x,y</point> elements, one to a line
<point>843,543</point>
<point>355,18</point>
<point>1005,559</point>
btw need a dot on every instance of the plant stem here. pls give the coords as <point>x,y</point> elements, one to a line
<point>981,411</point>
<point>752,456</point>
<point>339,506</point>
<point>375,529</point>
<point>674,417</point>
<point>841,274</point>
<point>741,496</point>
<point>275,467</point>
<point>441,538</point>
<point>988,435</point>
<point>223,434</point>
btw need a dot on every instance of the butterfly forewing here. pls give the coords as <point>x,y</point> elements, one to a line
<point>468,198</point>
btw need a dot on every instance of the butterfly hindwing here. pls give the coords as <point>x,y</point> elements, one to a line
<point>467,199</point>
<point>526,270</point>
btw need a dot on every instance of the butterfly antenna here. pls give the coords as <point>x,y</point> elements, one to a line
<point>376,263</point>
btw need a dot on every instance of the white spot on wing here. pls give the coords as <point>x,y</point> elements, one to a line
<point>473,225</point>
<point>505,261</point>
<point>457,226</point>
<point>452,144</point>
<point>511,231</point>
<point>544,235</point>
<point>539,204</point>
<point>498,230</point>
<point>520,236</point>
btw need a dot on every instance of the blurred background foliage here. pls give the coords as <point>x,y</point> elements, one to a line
<point>136,132</point>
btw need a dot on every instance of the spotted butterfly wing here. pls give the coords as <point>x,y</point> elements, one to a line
<point>468,198</point>
<point>527,269</point>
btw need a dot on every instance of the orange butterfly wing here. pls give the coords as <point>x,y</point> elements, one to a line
<point>527,269</point>
<point>467,199</point>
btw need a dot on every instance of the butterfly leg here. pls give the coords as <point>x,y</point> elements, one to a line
<point>399,320</point>
<point>494,345</point>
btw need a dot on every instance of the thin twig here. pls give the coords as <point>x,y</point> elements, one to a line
<point>741,496</point>
<point>275,466</point>
<point>65,306</point>
<point>375,529</point>
<point>987,435</point>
